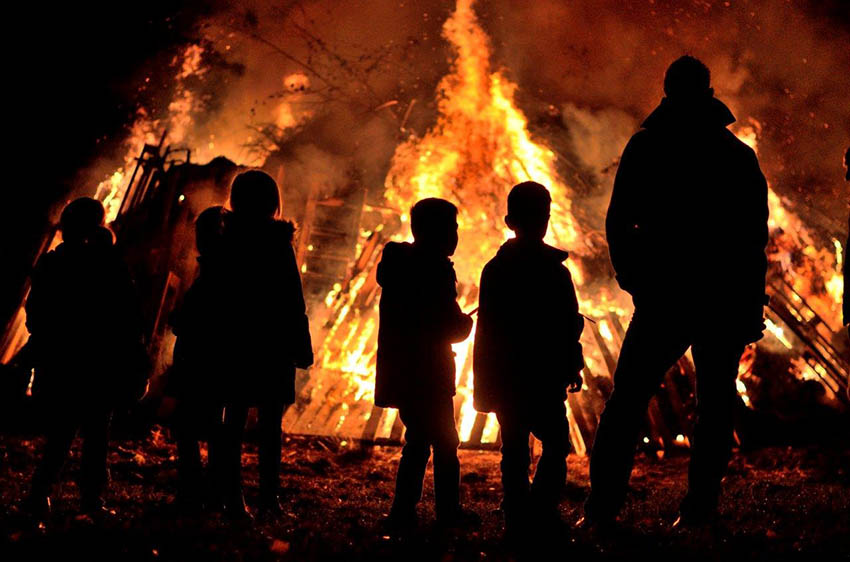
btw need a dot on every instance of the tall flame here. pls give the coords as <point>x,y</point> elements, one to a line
<point>479,147</point>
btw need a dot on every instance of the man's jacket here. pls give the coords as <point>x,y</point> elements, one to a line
<point>687,223</point>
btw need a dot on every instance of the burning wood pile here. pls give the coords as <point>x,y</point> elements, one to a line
<point>479,146</point>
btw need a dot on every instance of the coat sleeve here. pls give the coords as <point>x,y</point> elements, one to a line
<point>486,348</point>
<point>458,324</point>
<point>37,307</point>
<point>302,348</point>
<point>621,222</point>
<point>573,326</point>
<point>846,255</point>
<point>445,314</point>
<point>755,238</point>
<point>128,295</point>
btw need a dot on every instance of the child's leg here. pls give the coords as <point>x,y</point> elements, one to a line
<point>231,454</point>
<point>553,430</point>
<point>514,465</point>
<point>213,429</point>
<point>271,415</point>
<point>446,465</point>
<point>414,459</point>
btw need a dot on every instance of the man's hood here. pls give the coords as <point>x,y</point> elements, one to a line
<point>515,249</point>
<point>711,112</point>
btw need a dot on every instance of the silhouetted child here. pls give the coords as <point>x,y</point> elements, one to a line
<point>266,331</point>
<point>526,355</point>
<point>419,320</point>
<point>87,347</point>
<point>195,379</point>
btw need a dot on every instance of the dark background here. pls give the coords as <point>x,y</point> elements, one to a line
<point>69,78</point>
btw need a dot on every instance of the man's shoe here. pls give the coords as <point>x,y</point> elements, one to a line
<point>598,525</point>
<point>693,520</point>
<point>189,502</point>
<point>400,523</point>
<point>236,511</point>
<point>92,504</point>
<point>548,521</point>
<point>93,508</point>
<point>696,513</point>
<point>37,507</point>
<point>269,506</point>
<point>459,519</point>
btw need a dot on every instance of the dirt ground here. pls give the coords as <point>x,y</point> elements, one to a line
<point>779,503</point>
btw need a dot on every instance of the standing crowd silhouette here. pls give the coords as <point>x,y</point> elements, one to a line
<point>687,231</point>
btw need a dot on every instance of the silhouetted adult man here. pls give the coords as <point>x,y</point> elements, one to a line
<point>687,228</point>
<point>846,304</point>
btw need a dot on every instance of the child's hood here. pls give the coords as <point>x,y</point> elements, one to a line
<point>397,258</point>
<point>271,231</point>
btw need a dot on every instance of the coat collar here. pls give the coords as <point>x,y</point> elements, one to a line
<point>514,248</point>
<point>712,112</point>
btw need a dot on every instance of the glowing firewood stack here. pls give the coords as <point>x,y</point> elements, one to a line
<point>822,359</point>
<point>335,398</point>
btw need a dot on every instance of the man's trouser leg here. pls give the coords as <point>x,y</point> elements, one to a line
<point>269,428</point>
<point>59,433</point>
<point>93,474</point>
<point>443,436</point>
<point>414,460</point>
<point>652,345</point>
<point>553,430</point>
<point>189,467</point>
<point>716,370</point>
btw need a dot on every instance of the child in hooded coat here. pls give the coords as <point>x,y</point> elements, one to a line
<point>419,321</point>
<point>527,355</point>
<point>87,347</point>
<point>266,331</point>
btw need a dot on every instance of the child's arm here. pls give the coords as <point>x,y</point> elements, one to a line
<point>460,324</point>
<point>445,314</point>
<point>36,307</point>
<point>574,325</point>
<point>302,347</point>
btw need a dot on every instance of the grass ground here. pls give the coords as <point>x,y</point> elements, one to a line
<point>779,503</point>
